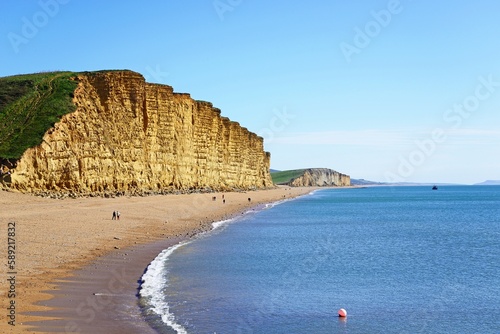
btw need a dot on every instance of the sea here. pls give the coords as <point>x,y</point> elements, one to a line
<point>397,259</point>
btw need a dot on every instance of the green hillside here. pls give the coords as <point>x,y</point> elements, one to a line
<point>285,176</point>
<point>29,106</point>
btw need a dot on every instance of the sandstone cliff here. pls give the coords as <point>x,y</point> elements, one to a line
<point>320,177</point>
<point>129,136</point>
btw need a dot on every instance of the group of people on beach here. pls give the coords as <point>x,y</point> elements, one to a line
<point>214,198</point>
<point>116,215</point>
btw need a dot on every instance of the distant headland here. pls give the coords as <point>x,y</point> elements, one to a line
<point>311,177</point>
<point>489,183</point>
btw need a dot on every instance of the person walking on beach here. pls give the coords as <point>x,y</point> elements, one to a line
<point>118,215</point>
<point>114,215</point>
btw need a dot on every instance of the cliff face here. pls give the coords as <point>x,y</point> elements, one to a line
<point>321,177</point>
<point>130,136</point>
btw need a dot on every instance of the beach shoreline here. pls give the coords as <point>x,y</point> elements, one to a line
<point>78,268</point>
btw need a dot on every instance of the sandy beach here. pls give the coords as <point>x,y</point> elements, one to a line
<point>72,250</point>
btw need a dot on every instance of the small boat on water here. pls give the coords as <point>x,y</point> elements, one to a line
<point>434,188</point>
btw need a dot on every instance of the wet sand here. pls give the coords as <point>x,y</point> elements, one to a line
<point>77,270</point>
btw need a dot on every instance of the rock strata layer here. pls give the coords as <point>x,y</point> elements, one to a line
<point>129,136</point>
<point>321,177</point>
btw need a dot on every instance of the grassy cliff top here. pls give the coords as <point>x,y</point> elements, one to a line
<point>286,176</point>
<point>29,106</point>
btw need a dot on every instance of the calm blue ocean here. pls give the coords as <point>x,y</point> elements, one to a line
<point>398,259</point>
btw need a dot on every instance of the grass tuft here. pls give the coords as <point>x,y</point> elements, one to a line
<point>29,106</point>
<point>286,176</point>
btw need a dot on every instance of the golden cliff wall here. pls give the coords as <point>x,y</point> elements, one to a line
<point>321,177</point>
<point>131,136</point>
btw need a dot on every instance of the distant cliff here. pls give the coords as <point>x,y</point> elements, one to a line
<point>489,183</point>
<point>317,177</point>
<point>130,136</point>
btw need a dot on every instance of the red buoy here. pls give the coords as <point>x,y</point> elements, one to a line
<point>342,313</point>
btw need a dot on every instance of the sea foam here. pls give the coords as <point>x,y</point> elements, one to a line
<point>154,282</point>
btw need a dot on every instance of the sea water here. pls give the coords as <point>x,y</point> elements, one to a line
<point>398,259</point>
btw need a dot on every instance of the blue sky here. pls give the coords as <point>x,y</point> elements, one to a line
<point>403,90</point>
